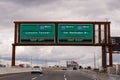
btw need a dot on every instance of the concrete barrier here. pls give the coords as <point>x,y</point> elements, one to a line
<point>10,70</point>
<point>100,76</point>
<point>111,70</point>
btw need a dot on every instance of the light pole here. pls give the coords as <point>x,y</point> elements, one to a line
<point>31,61</point>
<point>0,59</point>
<point>94,61</point>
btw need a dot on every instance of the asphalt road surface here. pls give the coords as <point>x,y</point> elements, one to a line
<point>48,75</point>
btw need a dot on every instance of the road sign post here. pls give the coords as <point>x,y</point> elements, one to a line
<point>13,54</point>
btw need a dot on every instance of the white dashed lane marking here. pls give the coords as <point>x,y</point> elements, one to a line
<point>34,78</point>
<point>65,77</point>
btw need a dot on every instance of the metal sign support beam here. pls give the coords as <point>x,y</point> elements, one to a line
<point>104,57</point>
<point>13,55</point>
<point>110,56</point>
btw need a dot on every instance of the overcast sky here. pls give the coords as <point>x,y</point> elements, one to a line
<point>55,10</point>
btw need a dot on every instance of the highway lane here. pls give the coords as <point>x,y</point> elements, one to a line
<point>52,75</point>
<point>21,76</point>
<point>48,75</point>
<point>76,75</point>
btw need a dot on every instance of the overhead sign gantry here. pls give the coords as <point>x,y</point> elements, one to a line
<point>63,33</point>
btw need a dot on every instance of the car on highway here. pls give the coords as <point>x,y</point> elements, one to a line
<point>64,69</point>
<point>89,67</point>
<point>80,67</point>
<point>74,68</point>
<point>1,65</point>
<point>36,69</point>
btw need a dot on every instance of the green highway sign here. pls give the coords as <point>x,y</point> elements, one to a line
<point>45,33</point>
<point>75,33</point>
<point>37,33</point>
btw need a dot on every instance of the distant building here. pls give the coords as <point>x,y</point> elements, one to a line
<point>71,64</point>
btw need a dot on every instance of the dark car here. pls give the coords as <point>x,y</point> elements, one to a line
<point>74,68</point>
<point>64,69</point>
<point>89,67</point>
<point>1,65</point>
<point>80,67</point>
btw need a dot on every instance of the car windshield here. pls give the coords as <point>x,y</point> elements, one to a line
<point>36,67</point>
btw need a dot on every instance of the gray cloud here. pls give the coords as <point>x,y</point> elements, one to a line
<point>30,2</point>
<point>114,5</point>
